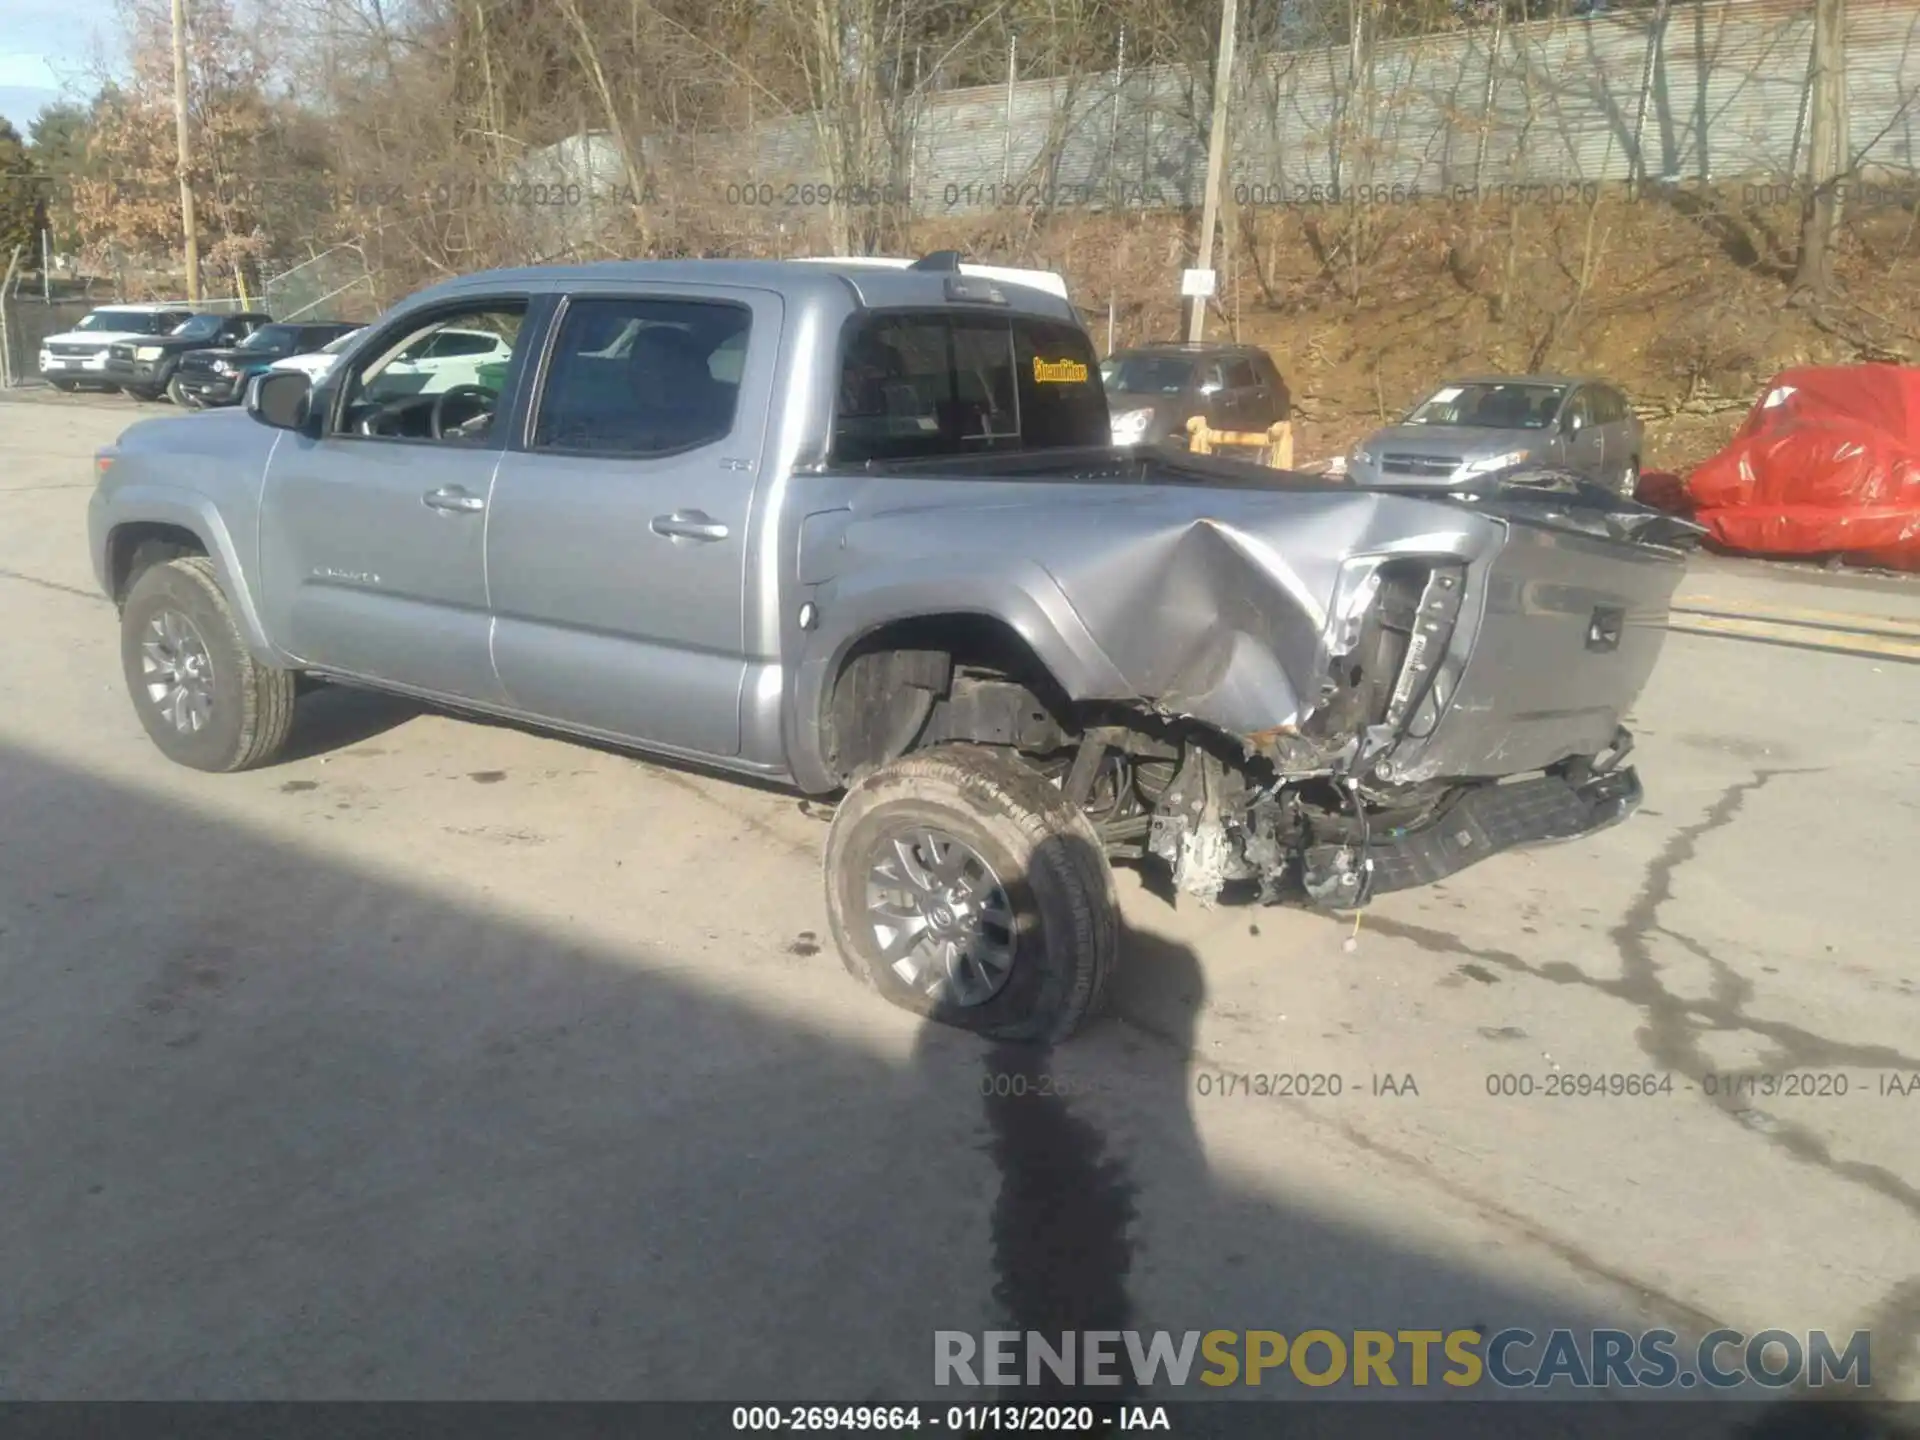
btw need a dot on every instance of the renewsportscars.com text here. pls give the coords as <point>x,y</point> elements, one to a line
<point>1510,1359</point>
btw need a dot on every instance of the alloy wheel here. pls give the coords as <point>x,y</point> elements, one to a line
<point>177,672</point>
<point>941,918</point>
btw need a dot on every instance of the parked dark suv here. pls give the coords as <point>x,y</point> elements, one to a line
<point>145,368</point>
<point>219,377</point>
<point>1152,391</point>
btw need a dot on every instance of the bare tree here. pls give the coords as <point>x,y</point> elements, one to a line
<point>1827,159</point>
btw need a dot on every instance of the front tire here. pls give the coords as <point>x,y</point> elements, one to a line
<point>964,888</point>
<point>203,698</point>
<point>179,396</point>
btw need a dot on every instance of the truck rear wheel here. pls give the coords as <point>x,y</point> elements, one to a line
<point>964,888</point>
<point>203,698</point>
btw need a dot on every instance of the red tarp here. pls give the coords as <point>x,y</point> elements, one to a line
<point>1828,463</point>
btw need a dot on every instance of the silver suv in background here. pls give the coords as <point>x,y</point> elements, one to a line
<point>1472,430</point>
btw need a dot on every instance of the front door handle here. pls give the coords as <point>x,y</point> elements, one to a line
<point>689,525</point>
<point>453,498</point>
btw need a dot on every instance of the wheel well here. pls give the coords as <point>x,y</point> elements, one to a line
<point>134,549</point>
<point>937,678</point>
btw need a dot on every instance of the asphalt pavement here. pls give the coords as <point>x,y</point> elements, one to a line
<point>445,1060</point>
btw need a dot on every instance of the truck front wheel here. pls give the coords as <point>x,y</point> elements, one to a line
<point>203,698</point>
<point>963,887</point>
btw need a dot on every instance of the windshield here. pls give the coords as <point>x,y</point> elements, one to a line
<point>334,347</point>
<point>129,322</point>
<point>1146,375</point>
<point>271,337</point>
<point>199,327</point>
<point>1493,406</point>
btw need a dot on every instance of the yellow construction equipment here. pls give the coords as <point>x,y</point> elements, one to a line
<point>1276,441</point>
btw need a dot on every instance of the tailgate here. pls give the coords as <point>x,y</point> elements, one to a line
<point>1564,635</point>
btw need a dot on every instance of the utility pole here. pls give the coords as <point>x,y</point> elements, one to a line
<point>1216,160</point>
<point>184,161</point>
<point>1006,159</point>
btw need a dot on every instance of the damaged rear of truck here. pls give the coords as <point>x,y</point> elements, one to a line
<point>1285,688</point>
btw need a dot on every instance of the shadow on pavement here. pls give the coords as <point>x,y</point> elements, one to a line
<point>277,1127</point>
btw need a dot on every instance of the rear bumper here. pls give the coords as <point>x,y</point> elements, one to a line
<point>1484,821</point>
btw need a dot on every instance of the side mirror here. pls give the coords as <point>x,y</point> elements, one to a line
<point>1574,423</point>
<point>281,399</point>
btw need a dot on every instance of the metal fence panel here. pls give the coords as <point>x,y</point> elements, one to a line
<point>1558,100</point>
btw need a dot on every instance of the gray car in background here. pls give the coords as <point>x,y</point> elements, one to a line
<point>1473,430</point>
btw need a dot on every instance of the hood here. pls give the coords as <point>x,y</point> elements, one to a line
<point>235,354</point>
<point>175,342</point>
<point>1462,442</point>
<point>101,338</point>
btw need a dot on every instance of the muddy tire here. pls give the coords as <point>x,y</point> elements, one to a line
<point>963,887</point>
<point>203,698</point>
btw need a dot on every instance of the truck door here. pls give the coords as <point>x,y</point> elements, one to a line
<point>617,546</point>
<point>371,536</point>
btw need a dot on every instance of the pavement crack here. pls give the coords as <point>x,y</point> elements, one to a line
<point>6,574</point>
<point>1670,1036</point>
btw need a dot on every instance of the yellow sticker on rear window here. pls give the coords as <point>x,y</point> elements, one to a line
<point>1058,372</point>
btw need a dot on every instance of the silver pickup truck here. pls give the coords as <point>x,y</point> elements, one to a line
<point>861,530</point>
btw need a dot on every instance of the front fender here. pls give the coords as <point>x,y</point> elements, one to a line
<point>1022,595</point>
<point>147,503</point>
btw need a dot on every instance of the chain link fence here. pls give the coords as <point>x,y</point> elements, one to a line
<point>335,285</point>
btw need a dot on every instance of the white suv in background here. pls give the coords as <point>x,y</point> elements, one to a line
<point>320,361</point>
<point>447,358</point>
<point>79,356</point>
<point>434,363</point>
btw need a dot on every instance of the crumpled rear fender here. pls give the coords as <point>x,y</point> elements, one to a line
<point>1220,617</point>
<point>1020,595</point>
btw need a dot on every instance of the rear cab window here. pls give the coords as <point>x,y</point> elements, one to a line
<point>929,384</point>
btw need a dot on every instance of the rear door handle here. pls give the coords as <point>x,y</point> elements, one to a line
<point>455,499</point>
<point>689,525</point>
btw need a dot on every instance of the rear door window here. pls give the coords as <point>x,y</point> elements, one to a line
<point>926,385</point>
<point>641,375</point>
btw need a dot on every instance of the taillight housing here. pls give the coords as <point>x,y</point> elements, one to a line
<point>1387,630</point>
<point>1432,631</point>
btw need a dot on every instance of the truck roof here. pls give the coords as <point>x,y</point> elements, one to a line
<point>836,283</point>
<point>1047,280</point>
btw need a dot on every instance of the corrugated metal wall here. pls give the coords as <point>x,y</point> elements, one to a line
<point>1717,93</point>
